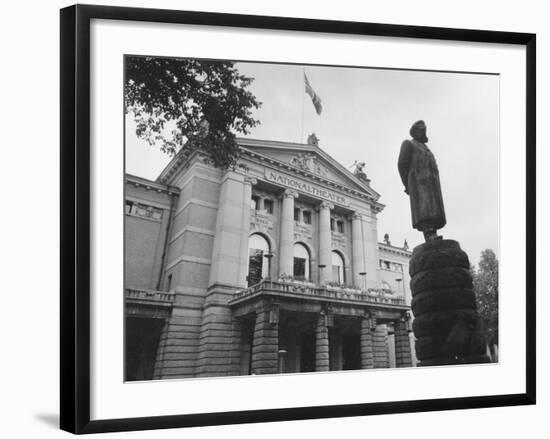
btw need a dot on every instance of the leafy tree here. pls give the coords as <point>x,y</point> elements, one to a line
<point>486,290</point>
<point>197,103</point>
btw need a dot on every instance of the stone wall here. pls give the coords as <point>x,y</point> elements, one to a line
<point>144,235</point>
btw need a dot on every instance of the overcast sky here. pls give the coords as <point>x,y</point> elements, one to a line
<point>367,113</point>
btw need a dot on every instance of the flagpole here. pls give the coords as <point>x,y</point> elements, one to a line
<point>315,99</point>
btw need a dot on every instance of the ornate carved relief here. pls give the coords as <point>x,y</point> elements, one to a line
<point>261,218</point>
<point>302,232</point>
<point>338,241</point>
<point>308,162</point>
<point>259,223</point>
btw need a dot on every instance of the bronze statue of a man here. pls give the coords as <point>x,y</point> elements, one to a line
<point>420,176</point>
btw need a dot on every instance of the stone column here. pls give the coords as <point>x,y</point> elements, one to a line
<point>286,250</point>
<point>358,252</point>
<point>245,227</point>
<point>322,360</point>
<point>380,347</point>
<point>402,345</point>
<point>325,243</point>
<point>265,344</point>
<point>231,230</point>
<point>367,356</point>
<point>216,350</point>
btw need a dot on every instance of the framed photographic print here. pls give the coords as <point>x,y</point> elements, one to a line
<point>274,218</point>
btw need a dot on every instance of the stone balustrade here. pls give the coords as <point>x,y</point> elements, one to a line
<point>152,296</point>
<point>370,296</point>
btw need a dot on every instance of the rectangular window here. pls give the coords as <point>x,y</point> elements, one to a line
<point>129,206</point>
<point>255,266</point>
<point>340,226</point>
<point>157,214</point>
<point>255,203</point>
<point>332,224</point>
<point>169,282</point>
<point>296,214</point>
<point>268,205</point>
<point>336,274</point>
<point>141,210</point>
<point>299,268</point>
<point>307,216</point>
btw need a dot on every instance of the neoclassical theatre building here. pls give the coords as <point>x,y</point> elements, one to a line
<point>272,267</point>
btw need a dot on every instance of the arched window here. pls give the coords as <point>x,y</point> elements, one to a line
<point>338,268</point>
<point>301,262</point>
<point>258,258</point>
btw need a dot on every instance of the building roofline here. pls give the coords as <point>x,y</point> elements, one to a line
<point>313,149</point>
<point>275,143</point>
<point>394,249</point>
<point>149,184</point>
<point>184,155</point>
<point>329,183</point>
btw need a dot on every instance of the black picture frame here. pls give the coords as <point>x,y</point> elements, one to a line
<point>75,217</point>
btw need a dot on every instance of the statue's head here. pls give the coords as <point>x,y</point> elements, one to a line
<point>418,131</point>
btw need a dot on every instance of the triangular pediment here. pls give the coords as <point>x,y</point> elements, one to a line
<point>308,158</point>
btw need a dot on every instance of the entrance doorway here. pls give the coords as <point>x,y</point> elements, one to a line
<point>142,337</point>
<point>307,352</point>
<point>351,352</point>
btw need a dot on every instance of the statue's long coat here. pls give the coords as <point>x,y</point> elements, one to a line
<point>420,176</point>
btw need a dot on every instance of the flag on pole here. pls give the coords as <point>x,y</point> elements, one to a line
<point>314,97</point>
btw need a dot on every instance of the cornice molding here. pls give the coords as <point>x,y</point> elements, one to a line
<point>395,250</point>
<point>149,184</point>
<point>287,167</point>
<point>182,159</point>
<point>312,149</point>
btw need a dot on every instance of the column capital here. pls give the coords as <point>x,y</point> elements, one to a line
<point>322,318</point>
<point>370,318</point>
<point>290,193</point>
<point>356,216</point>
<point>406,320</point>
<point>327,205</point>
<point>250,180</point>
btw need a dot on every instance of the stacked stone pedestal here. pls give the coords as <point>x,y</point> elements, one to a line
<point>322,360</point>
<point>446,323</point>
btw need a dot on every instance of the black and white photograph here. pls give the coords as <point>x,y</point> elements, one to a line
<point>288,218</point>
<point>266,220</point>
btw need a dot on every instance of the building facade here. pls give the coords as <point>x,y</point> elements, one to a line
<point>271,267</point>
